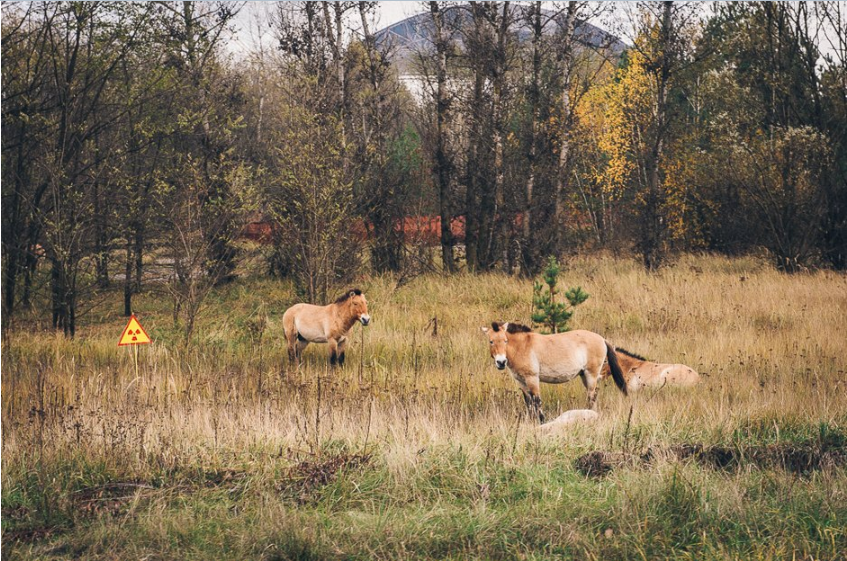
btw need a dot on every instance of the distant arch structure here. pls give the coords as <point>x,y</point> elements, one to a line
<point>412,37</point>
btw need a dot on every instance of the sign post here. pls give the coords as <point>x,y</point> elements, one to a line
<point>134,335</point>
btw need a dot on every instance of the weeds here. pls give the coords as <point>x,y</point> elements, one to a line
<point>419,448</point>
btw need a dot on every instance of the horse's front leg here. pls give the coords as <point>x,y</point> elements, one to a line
<point>342,349</point>
<point>333,351</point>
<point>533,389</point>
<point>527,399</point>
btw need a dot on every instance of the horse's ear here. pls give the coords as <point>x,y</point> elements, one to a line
<point>352,293</point>
<point>484,329</point>
<point>506,326</point>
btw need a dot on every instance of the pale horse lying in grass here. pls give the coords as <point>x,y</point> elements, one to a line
<point>553,359</point>
<point>641,373</point>
<point>307,323</point>
<point>569,418</point>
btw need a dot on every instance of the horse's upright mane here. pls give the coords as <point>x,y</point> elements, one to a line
<point>629,354</point>
<point>346,296</point>
<point>512,327</point>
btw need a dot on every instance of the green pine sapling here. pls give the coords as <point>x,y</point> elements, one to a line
<point>553,315</point>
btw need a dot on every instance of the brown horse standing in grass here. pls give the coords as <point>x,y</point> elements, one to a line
<point>307,323</point>
<point>639,372</point>
<point>533,358</point>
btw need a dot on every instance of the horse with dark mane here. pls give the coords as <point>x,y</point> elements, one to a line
<point>307,323</point>
<point>553,359</point>
<point>640,372</point>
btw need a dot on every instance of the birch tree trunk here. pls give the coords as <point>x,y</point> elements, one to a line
<point>528,245</point>
<point>563,167</point>
<point>652,228</point>
<point>442,158</point>
<point>499,79</point>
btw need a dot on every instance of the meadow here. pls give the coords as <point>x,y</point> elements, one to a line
<point>419,448</point>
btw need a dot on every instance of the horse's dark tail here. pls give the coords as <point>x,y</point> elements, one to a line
<point>615,367</point>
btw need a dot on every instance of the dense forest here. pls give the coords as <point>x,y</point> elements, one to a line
<point>137,144</point>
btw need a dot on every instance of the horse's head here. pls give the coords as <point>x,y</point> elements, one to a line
<point>498,338</point>
<point>358,305</point>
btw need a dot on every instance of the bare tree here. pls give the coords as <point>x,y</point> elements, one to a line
<point>333,26</point>
<point>489,46</point>
<point>662,41</point>
<point>443,164</point>
<point>529,258</point>
<point>499,68</point>
<point>313,205</point>
<point>191,233</point>
<point>563,167</point>
<point>70,87</point>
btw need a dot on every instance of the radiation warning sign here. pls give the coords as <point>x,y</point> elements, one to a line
<point>133,334</point>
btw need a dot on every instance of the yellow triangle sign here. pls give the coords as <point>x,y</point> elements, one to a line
<point>133,334</point>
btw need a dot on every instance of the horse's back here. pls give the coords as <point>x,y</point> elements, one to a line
<point>682,375</point>
<point>562,356</point>
<point>298,313</point>
<point>583,335</point>
<point>308,320</point>
<point>292,312</point>
<point>658,375</point>
<point>302,308</point>
<point>571,339</point>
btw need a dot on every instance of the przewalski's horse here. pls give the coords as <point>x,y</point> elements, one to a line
<point>639,372</point>
<point>532,358</point>
<point>307,323</point>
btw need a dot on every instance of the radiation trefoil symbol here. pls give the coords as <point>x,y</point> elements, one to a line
<point>134,334</point>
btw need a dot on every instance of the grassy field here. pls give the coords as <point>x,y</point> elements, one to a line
<point>419,448</point>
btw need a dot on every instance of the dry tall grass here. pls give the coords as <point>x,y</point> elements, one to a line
<point>771,348</point>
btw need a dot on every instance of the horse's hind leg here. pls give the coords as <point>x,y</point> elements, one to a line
<point>589,380</point>
<point>291,344</point>
<point>292,338</point>
<point>301,346</point>
<point>295,345</point>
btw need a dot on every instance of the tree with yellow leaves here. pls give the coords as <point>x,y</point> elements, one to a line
<point>643,162</point>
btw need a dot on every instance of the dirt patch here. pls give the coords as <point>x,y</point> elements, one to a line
<point>27,534</point>
<point>799,459</point>
<point>110,499</point>
<point>213,479</point>
<point>600,463</point>
<point>20,524</point>
<point>305,479</point>
<point>796,459</point>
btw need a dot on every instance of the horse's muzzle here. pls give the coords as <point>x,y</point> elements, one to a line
<point>500,364</point>
<point>365,319</point>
